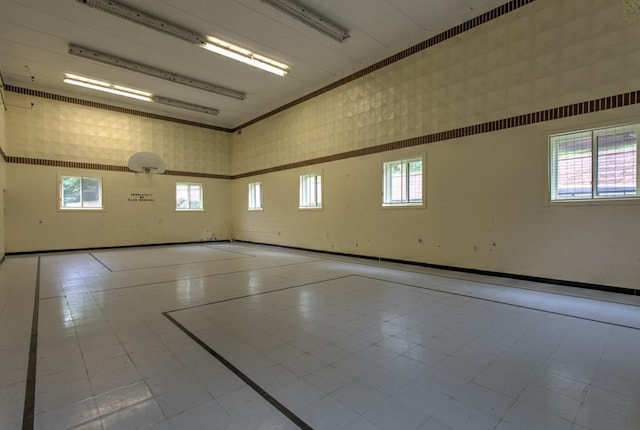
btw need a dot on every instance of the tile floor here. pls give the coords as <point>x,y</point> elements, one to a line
<point>236,336</point>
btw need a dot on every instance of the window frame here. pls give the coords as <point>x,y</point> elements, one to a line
<point>82,177</point>
<point>594,199</point>
<point>255,197</point>
<point>318,189</point>
<point>190,209</point>
<point>406,179</point>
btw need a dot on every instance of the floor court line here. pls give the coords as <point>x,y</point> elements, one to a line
<point>29,404</point>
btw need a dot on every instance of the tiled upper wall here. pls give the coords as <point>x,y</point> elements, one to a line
<point>3,148</point>
<point>56,130</point>
<point>549,53</point>
<point>546,54</point>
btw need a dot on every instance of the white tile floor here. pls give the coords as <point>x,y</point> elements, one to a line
<point>234,336</point>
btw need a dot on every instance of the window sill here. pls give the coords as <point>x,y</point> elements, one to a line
<point>81,209</point>
<point>404,206</point>
<point>607,201</point>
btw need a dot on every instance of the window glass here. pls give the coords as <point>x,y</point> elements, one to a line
<point>255,196</point>
<point>79,192</point>
<point>402,182</point>
<point>617,164</point>
<point>189,196</point>
<point>594,164</point>
<point>311,191</point>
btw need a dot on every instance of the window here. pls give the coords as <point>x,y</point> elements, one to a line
<point>255,196</point>
<point>311,191</point>
<point>402,182</point>
<point>594,164</point>
<point>79,192</point>
<point>189,197</point>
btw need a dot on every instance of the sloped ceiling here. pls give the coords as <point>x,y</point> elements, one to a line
<point>35,37</point>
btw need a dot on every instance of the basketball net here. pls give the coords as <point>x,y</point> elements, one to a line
<point>631,9</point>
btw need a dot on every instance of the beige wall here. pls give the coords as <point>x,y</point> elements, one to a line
<point>485,193</point>
<point>546,54</point>
<point>35,223</point>
<point>485,210</point>
<point>60,131</point>
<point>2,180</point>
<point>56,130</point>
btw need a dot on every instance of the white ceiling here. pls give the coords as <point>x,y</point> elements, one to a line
<point>35,34</point>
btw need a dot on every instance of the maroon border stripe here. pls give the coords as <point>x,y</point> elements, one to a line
<point>575,109</point>
<point>438,38</point>
<point>581,108</point>
<point>197,175</point>
<point>591,106</point>
<point>81,102</point>
<point>108,167</point>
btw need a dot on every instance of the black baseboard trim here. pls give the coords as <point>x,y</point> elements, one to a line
<point>565,283</point>
<point>105,248</point>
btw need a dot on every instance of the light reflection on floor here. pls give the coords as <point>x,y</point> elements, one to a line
<point>151,337</point>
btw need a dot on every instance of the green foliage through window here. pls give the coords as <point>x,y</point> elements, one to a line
<point>188,196</point>
<point>402,182</point>
<point>79,192</point>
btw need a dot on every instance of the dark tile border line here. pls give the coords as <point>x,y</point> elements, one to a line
<point>232,252</point>
<point>581,108</point>
<point>261,293</point>
<point>81,102</point>
<point>551,281</point>
<point>466,279</point>
<point>283,408</point>
<point>565,283</point>
<point>255,387</point>
<point>243,257</point>
<point>107,290</point>
<point>486,299</point>
<point>28,413</point>
<point>2,154</point>
<point>439,38</point>
<point>103,248</point>
<point>100,261</point>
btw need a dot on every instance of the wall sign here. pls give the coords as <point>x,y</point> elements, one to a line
<point>141,197</point>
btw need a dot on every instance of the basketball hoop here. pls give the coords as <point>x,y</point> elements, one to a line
<point>631,9</point>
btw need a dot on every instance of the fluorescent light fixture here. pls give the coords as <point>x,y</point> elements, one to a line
<point>137,16</point>
<point>106,87</point>
<point>240,54</point>
<point>123,63</point>
<point>185,105</point>
<point>120,90</point>
<point>212,44</point>
<point>310,18</point>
